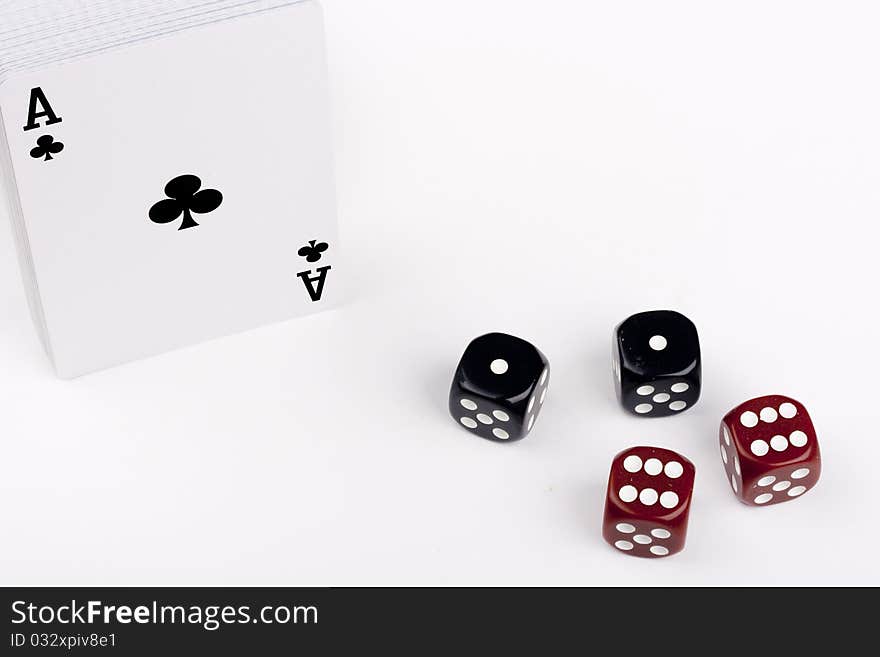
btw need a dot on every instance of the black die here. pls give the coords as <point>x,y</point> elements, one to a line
<point>656,361</point>
<point>499,387</point>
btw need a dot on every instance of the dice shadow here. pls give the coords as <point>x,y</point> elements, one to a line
<point>600,377</point>
<point>435,388</point>
<point>588,515</point>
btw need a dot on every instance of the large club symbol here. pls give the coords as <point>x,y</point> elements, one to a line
<point>185,198</point>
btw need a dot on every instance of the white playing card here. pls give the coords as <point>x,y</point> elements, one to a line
<point>123,269</point>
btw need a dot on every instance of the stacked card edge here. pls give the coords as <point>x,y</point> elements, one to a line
<point>22,243</point>
<point>190,15</point>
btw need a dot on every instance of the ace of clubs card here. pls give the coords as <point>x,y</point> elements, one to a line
<point>178,189</point>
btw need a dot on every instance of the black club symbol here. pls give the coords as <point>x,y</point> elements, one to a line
<point>46,148</point>
<point>313,251</point>
<point>185,198</point>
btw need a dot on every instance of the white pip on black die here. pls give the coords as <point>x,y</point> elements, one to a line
<point>656,363</point>
<point>499,387</point>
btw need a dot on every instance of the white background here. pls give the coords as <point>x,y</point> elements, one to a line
<point>544,169</point>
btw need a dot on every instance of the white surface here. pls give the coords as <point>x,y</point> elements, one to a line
<point>540,168</point>
<point>114,285</point>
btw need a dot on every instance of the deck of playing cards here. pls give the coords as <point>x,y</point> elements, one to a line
<point>168,166</point>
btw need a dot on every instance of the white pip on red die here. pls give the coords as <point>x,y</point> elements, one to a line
<point>648,502</point>
<point>769,450</point>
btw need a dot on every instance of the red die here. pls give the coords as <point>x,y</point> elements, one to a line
<point>769,450</point>
<point>648,501</point>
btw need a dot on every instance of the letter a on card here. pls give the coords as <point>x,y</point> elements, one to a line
<point>310,281</point>
<point>39,101</point>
